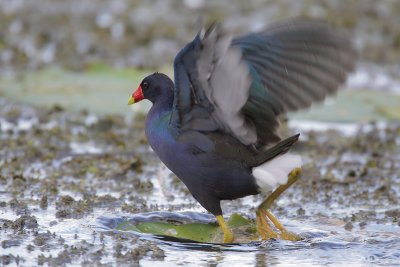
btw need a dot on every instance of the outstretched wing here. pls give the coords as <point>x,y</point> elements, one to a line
<point>293,64</point>
<point>241,86</point>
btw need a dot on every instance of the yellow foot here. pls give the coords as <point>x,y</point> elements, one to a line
<point>263,227</point>
<point>287,235</point>
<point>284,234</point>
<point>266,232</point>
<point>228,235</point>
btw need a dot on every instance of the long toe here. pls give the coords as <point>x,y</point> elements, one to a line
<point>287,235</point>
<point>263,227</point>
<point>284,234</point>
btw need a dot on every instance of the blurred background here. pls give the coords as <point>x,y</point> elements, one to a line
<point>139,37</point>
<point>128,33</point>
<point>74,161</point>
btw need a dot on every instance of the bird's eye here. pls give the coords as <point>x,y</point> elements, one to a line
<point>145,85</point>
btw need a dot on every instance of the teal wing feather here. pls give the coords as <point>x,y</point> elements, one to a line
<point>239,87</point>
<point>292,65</point>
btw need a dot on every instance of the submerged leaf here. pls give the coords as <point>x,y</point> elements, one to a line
<point>243,229</point>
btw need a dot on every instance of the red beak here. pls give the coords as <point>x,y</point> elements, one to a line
<point>136,96</point>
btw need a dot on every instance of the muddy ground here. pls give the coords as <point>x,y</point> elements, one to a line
<point>70,171</point>
<point>73,34</point>
<point>60,171</point>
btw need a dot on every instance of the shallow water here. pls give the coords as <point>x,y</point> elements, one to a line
<point>373,244</point>
<point>67,178</point>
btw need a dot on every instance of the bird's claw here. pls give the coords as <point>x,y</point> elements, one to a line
<point>265,230</point>
<point>263,226</point>
<point>287,235</point>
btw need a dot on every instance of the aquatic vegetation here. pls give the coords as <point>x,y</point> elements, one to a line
<point>61,172</point>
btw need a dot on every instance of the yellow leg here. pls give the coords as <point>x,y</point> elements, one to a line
<point>228,235</point>
<point>292,178</point>
<point>263,210</point>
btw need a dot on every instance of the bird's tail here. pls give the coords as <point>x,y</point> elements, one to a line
<point>279,149</point>
<point>274,165</point>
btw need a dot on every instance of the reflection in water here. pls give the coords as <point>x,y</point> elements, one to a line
<point>52,199</point>
<point>330,246</point>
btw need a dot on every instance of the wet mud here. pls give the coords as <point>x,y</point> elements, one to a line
<point>67,177</point>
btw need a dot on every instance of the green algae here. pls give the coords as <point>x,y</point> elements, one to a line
<point>354,106</point>
<point>100,89</point>
<point>105,90</point>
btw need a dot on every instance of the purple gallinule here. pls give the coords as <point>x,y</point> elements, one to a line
<point>216,126</point>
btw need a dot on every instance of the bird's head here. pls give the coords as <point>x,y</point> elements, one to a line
<point>153,87</point>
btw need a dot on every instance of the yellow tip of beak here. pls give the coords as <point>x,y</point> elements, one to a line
<point>131,101</point>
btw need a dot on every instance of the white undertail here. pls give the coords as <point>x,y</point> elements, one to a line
<point>274,173</point>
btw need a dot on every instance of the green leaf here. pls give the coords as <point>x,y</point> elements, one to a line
<point>244,230</point>
<point>193,231</point>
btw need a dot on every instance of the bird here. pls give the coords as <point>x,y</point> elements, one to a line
<point>216,125</point>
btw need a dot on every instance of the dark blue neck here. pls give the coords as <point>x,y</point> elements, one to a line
<point>161,105</point>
